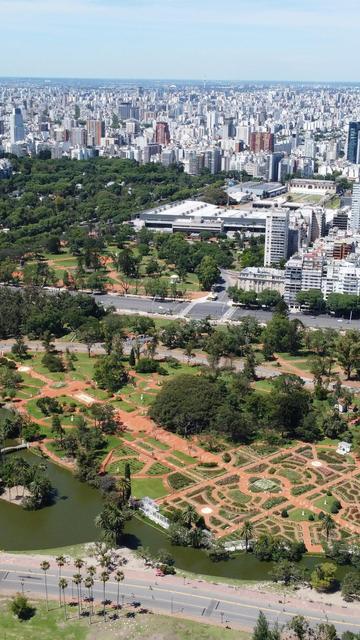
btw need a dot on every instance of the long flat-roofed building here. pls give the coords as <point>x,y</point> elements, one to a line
<point>193,216</point>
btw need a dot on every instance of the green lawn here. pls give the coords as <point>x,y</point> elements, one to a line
<point>158,469</point>
<point>39,367</point>
<point>43,625</point>
<point>299,515</point>
<point>118,467</point>
<point>320,503</point>
<point>29,381</point>
<point>183,457</point>
<point>33,410</point>
<point>151,487</point>
<point>99,394</point>
<point>263,386</point>
<point>238,497</point>
<point>157,444</point>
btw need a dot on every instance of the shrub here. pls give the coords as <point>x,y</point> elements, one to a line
<point>284,513</point>
<point>147,365</point>
<point>21,608</point>
<point>53,362</point>
<point>226,457</point>
<point>335,507</point>
<point>311,517</point>
<point>209,465</point>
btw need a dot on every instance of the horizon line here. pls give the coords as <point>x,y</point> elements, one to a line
<point>178,79</point>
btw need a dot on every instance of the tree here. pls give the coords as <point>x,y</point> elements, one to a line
<point>347,349</point>
<point>127,477</point>
<point>111,521</point>
<point>89,583</point>
<point>104,415</point>
<point>20,607</point>
<point>19,349</point>
<point>118,577</point>
<point>287,572</point>
<point>56,428</point>
<point>52,245</point>
<point>109,373</point>
<point>289,403</point>
<point>63,584</point>
<point>300,627</point>
<point>104,577</point>
<point>261,630</point>
<point>208,272</point>
<point>323,577</point>
<point>186,404</point>
<point>60,561</point>
<point>128,263</point>
<point>189,516</point>
<point>77,580</point>
<point>132,360</point>
<point>45,566</point>
<point>327,525</point>
<point>246,533</point>
<point>90,334</point>
<point>311,300</point>
<point>350,587</point>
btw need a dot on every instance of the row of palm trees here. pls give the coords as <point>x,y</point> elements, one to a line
<point>87,580</point>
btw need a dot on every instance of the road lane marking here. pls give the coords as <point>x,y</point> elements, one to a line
<point>207,598</point>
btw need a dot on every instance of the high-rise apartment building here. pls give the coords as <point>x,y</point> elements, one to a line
<point>353,142</point>
<point>276,237</point>
<point>212,160</point>
<point>17,132</point>
<point>261,141</point>
<point>355,208</point>
<point>162,133</point>
<point>95,131</point>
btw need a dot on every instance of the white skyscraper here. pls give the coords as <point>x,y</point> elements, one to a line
<point>355,208</point>
<point>16,126</point>
<point>276,237</point>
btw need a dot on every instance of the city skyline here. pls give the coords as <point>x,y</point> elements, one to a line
<point>234,41</point>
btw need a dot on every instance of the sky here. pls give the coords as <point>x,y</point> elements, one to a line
<point>314,40</point>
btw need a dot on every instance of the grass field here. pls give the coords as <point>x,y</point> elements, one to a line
<point>151,487</point>
<point>51,625</point>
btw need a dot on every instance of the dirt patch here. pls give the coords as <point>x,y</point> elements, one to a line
<point>15,495</point>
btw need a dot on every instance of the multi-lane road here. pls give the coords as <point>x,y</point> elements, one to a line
<point>208,602</point>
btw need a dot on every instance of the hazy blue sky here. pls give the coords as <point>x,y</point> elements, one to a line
<point>219,39</point>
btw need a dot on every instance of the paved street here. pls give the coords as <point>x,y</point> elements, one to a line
<point>208,602</point>
<point>215,309</point>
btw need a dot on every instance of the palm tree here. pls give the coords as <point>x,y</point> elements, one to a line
<point>189,516</point>
<point>77,580</point>
<point>79,563</point>
<point>45,566</point>
<point>246,533</point>
<point>62,586</point>
<point>327,526</point>
<point>123,487</point>
<point>89,583</point>
<point>60,561</point>
<point>118,577</point>
<point>91,570</point>
<point>104,577</point>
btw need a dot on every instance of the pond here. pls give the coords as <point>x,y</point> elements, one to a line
<point>71,521</point>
